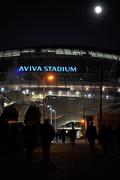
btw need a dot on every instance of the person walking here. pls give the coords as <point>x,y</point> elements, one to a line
<point>63,136</point>
<point>91,135</point>
<point>32,123</point>
<point>72,134</point>
<point>47,135</point>
<point>9,128</point>
<point>105,137</point>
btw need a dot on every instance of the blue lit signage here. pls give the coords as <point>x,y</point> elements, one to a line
<point>67,69</point>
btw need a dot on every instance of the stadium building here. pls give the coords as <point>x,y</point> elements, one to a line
<point>71,83</point>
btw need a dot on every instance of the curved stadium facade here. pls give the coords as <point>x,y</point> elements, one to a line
<point>76,89</point>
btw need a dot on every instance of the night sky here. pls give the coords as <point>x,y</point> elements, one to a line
<point>67,23</point>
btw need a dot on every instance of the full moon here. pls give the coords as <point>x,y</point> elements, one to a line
<point>98,9</point>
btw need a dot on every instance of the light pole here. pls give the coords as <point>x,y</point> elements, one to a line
<point>43,90</point>
<point>55,119</point>
<point>50,78</point>
<point>101,93</point>
<point>43,107</point>
<point>50,108</point>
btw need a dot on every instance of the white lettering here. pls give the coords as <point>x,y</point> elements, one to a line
<point>21,68</point>
<point>59,68</point>
<point>54,68</point>
<point>73,69</point>
<point>48,68</point>
<point>34,68</point>
<point>39,68</point>
<point>45,68</point>
<point>26,68</point>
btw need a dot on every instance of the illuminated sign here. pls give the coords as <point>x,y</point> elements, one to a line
<point>47,69</point>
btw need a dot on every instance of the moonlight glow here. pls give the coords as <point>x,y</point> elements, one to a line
<point>98,9</point>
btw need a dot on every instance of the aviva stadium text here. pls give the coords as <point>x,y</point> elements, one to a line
<point>47,69</point>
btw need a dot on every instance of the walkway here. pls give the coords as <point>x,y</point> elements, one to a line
<point>67,162</point>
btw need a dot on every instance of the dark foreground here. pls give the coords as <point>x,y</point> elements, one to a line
<point>67,162</point>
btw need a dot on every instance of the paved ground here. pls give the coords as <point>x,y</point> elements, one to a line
<point>67,162</point>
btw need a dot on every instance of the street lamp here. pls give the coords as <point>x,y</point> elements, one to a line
<point>50,78</point>
<point>55,118</point>
<point>101,93</point>
<point>43,107</point>
<point>50,108</point>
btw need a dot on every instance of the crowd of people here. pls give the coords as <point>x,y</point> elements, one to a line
<point>16,136</point>
<point>107,137</point>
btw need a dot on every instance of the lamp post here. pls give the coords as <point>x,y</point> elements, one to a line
<point>101,93</point>
<point>50,108</point>
<point>49,78</point>
<point>55,119</point>
<point>43,107</point>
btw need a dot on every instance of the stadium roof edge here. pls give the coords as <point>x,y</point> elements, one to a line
<point>103,50</point>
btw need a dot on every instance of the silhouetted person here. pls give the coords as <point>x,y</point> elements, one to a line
<point>47,135</point>
<point>9,118</point>
<point>110,137</point>
<point>56,136</point>
<point>21,136</point>
<point>72,134</point>
<point>91,135</point>
<point>32,122</point>
<point>106,138</point>
<point>63,136</point>
<point>103,138</point>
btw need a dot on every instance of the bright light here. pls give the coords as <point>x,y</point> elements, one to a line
<point>103,88</point>
<point>89,95</point>
<point>77,92</point>
<point>23,92</point>
<point>118,90</point>
<point>87,88</point>
<point>16,88</point>
<point>27,91</point>
<point>82,121</point>
<point>48,106</point>
<point>50,92</point>
<point>59,93</point>
<point>2,89</point>
<point>33,93</point>
<point>98,9</point>
<point>50,77</point>
<point>107,97</point>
